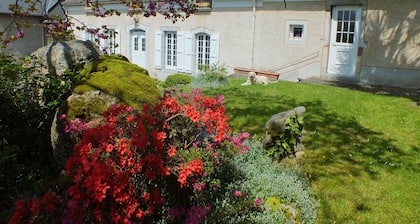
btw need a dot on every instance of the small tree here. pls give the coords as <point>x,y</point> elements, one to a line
<point>60,27</point>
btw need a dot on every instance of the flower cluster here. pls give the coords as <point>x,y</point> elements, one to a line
<point>128,166</point>
<point>44,210</point>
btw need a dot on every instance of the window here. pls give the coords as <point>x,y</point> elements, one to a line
<point>185,51</point>
<point>171,50</point>
<point>143,44</point>
<point>346,20</point>
<point>202,50</point>
<point>203,3</point>
<point>91,34</point>
<point>112,41</point>
<point>295,32</point>
<point>136,43</point>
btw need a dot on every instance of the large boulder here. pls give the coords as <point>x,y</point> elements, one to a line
<point>104,82</point>
<point>60,56</point>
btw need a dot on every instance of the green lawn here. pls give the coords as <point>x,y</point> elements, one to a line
<point>362,150</point>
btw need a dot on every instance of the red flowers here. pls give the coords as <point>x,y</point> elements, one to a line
<point>194,167</point>
<point>122,166</point>
<point>37,210</point>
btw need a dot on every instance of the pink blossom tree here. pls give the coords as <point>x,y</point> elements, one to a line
<point>60,27</point>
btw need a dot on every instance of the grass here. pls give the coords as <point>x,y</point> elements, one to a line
<point>362,149</point>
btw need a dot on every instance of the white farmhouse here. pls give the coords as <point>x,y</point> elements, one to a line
<point>372,41</point>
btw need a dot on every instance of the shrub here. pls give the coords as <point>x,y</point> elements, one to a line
<point>284,142</point>
<point>211,76</point>
<point>25,145</point>
<point>160,163</point>
<point>173,162</point>
<point>176,80</point>
<point>283,190</point>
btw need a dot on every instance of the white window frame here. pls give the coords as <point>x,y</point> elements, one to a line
<point>202,49</point>
<point>113,45</point>
<point>289,35</point>
<point>170,48</point>
<point>89,35</point>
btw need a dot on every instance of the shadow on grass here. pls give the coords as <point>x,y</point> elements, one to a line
<point>336,145</point>
<point>409,93</point>
<point>341,146</point>
<point>341,154</point>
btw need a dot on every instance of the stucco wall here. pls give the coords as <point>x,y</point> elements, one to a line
<point>32,40</point>
<point>392,34</point>
<point>235,29</point>
<point>273,51</point>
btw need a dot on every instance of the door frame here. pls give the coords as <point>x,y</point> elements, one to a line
<point>333,46</point>
<point>130,45</point>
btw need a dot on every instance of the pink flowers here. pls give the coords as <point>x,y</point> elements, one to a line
<point>239,140</point>
<point>237,193</point>
<point>258,201</point>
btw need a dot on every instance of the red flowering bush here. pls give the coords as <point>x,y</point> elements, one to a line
<point>135,166</point>
<point>44,210</point>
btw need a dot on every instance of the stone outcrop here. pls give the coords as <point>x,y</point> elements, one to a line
<point>106,81</point>
<point>62,142</point>
<point>60,56</point>
<point>276,125</point>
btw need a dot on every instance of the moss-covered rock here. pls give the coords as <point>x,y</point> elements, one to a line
<point>115,77</point>
<point>103,82</point>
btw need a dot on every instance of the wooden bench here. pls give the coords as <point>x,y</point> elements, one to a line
<point>270,75</point>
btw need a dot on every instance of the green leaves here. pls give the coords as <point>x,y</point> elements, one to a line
<point>286,141</point>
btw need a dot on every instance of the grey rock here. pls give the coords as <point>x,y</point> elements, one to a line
<point>60,56</point>
<point>276,125</point>
<point>63,143</point>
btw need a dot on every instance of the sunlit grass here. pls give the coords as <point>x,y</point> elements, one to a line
<point>362,149</point>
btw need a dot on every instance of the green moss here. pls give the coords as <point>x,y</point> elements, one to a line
<point>128,82</point>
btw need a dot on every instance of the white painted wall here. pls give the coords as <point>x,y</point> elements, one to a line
<point>258,37</point>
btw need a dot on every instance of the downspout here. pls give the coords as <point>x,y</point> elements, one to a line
<point>253,32</point>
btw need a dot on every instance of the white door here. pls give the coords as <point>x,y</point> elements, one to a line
<point>138,48</point>
<point>344,41</point>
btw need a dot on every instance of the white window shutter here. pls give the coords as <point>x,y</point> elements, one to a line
<point>214,48</point>
<point>158,49</point>
<point>188,52</point>
<point>180,51</point>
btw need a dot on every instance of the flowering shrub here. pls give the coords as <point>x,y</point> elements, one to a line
<point>160,163</point>
<point>45,210</point>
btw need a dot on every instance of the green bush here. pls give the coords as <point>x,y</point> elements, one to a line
<point>176,80</point>
<point>284,143</point>
<point>283,190</point>
<point>212,76</point>
<point>25,145</point>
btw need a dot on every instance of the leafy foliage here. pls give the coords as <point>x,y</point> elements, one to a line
<point>177,79</point>
<point>212,76</point>
<point>263,179</point>
<point>284,142</point>
<point>60,27</point>
<point>25,115</point>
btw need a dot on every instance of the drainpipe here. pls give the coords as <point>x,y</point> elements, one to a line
<point>253,32</point>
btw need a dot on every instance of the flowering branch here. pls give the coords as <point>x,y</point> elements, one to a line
<point>59,27</point>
